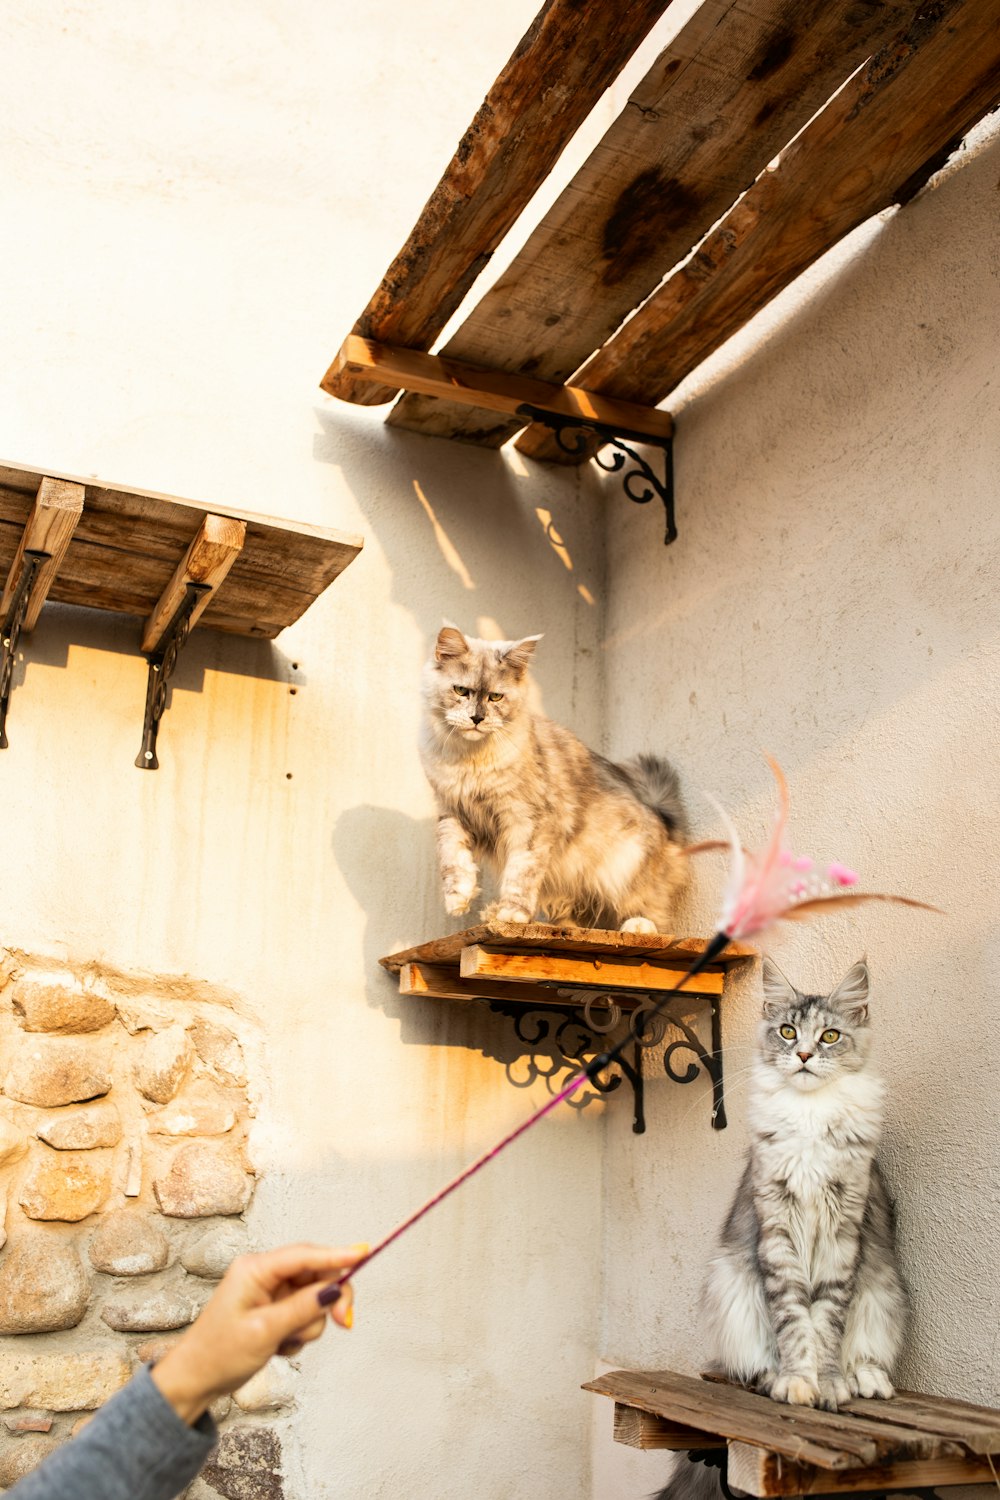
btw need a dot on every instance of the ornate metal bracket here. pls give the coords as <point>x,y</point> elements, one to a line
<point>162,662</point>
<point>31,561</point>
<point>564,1038</point>
<point>640,483</point>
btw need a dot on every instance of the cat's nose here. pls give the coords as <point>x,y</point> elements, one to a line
<point>478,718</point>
<point>805,1056</point>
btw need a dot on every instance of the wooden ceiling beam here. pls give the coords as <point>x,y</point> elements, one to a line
<point>471,385</point>
<point>720,101</point>
<point>923,91</point>
<point>570,55</point>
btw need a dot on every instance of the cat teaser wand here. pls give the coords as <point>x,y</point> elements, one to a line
<point>763,887</point>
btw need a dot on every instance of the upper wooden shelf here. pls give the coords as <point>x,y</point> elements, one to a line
<point>912,1442</point>
<point>126,547</point>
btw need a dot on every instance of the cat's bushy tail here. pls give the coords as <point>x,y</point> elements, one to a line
<point>691,1481</point>
<point>657,784</point>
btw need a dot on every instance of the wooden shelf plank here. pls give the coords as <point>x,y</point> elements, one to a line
<point>597,972</point>
<point>571,53</point>
<point>543,937</point>
<point>720,101</point>
<point>473,385</point>
<point>438,982</point>
<point>127,545</point>
<point>921,93</point>
<point>833,1441</point>
<point>639,1429</point>
<point>216,547</point>
<point>768,1474</point>
<point>49,528</point>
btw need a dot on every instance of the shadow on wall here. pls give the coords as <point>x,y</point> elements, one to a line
<point>485,521</point>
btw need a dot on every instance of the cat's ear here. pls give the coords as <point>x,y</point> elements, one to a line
<point>778,993</point>
<point>519,655</point>
<point>451,643</point>
<point>851,995</point>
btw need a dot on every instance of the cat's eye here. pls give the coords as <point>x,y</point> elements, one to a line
<point>830,1036</point>
<point>788,1032</point>
<point>495,697</point>
<point>463,692</point>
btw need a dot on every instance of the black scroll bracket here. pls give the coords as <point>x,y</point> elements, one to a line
<point>162,662</point>
<point>639,482</point>
<point>563,1038</point>
<point>31,560</point>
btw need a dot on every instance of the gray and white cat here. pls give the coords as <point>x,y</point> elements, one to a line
<point>805,1298</point>
<point>592,843</point>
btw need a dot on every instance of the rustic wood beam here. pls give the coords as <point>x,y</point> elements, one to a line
<point>721,100</point>
<point>436,982</point>
<point>494,389</point>
<point>572,52</point>
<point>215,548</point>
<point>640,1429</point>
<point>49,528</point>
<point>595,973</point>
<point>768,1474</point>
<point>925,88</point>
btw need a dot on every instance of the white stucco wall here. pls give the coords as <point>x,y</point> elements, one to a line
<point>833,600</point>
<point>198,202</point>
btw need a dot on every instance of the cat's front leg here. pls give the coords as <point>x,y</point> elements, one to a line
<point>520,879</point>
<point>787,1295</point>
<point>459,873</point>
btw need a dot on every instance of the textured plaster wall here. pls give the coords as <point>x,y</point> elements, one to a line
<point>198,201</point>
<point>833,600</point>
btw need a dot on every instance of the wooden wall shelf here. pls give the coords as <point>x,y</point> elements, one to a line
<point>569,989</point>
<point>172,562</point>
<point>912,1442</point>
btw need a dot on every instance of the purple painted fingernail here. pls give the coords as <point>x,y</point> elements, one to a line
<point>330,1294</point>
<point>290,1346</point>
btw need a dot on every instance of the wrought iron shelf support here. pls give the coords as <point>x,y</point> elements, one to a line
<point>31,562</point>
<point>162,662</point>
<point>639,482</point>
<point>583,1024</point>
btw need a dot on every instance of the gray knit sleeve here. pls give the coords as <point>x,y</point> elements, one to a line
<point>135,1448</point>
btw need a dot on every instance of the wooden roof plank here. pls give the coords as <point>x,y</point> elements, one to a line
<point>572,52</point>
<point>924,89</point>
<point>727,93</point>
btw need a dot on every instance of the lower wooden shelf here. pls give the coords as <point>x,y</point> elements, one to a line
<point>912,1442</point>
<point>572,989</point>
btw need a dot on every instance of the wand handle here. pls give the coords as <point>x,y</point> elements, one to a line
<point>331,1293</point>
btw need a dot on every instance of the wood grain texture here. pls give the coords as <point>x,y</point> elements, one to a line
<point>473,385</point>
<point>768,1474</point>
<point>127,545</point>
<point>49,528</point>
<point>216,546</point>
<point>441,982</point>
<point>540,936</point>
<point>719,102</point>
<point>861,1438</point>
<point>921,91</point>
<point>638,1429</point>
<point>572,52</point>
<point>596,971</point>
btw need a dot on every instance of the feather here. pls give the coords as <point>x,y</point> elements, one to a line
<point>819,904</point>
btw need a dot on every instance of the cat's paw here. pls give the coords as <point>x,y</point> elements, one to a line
<point>459,894</point>
<point>796,1390</point>
<point>833,1391</point>
<point>501,911</point>
<point>638,924</point>
<point>870,1381</point>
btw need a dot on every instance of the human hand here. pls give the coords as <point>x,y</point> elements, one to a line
<point>263,1303</point>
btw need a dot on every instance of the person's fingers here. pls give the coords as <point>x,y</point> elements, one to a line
<point>286,1319</point>
<point>342,1311</point>
<point>273,1267</point>
<point>313,1331</point>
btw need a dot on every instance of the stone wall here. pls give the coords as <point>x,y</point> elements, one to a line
<point>124,1180</point>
